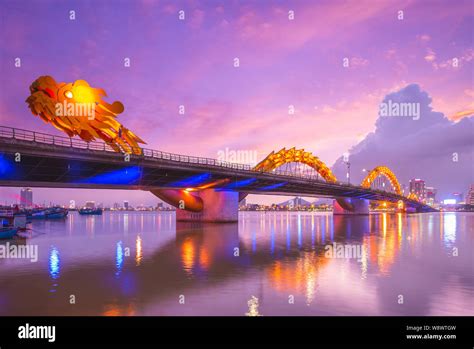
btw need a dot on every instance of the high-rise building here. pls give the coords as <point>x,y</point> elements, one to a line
<point>26,198</point>
<point>470,196</point>
<point>90,204</point>
<point>430,195</point>
<point>125,205</point>
<point>417,186</point>
<point>116,206</point>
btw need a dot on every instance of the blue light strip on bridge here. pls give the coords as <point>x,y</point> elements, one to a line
<point>238,184</point>
<point>191,181</point>
<point>127,175</point>
<point>274,186</point>
<point>7,169</point>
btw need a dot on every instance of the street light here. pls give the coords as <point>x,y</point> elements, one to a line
<point>345,159</point>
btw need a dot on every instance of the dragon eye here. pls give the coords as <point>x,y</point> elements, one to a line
<point>68,94</point>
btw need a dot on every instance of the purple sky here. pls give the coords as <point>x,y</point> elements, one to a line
<point>282,62</point>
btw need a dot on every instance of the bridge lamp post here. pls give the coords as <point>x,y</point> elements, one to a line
<point>345,159</point>
<point>348,172</point>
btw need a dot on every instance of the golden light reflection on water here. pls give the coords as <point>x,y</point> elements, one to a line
<point>253,307</point>
<point>139,253</point>
<point>299,267</point>
<point>399,226</point>
<point>299,276</point>
<point>384,224</point>
<point>187,254</point>
<point>273,263</point>
<point>384,250</point>
<point>119,310</point>
<point>204,259</point>
<point>381,246</point>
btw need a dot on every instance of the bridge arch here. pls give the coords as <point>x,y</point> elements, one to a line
<point>382,171</point>
<point>285,156</point>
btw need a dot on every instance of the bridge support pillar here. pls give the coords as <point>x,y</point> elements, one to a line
<point>218,207</point>
<point>350,206</point>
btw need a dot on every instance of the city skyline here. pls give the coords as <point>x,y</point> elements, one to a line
<point>426,192</point>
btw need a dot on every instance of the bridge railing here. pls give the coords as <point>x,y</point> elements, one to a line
<point>69,142</point>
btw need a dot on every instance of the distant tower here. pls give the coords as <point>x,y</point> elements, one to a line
<point>26,198</point>
<point>125,205</point>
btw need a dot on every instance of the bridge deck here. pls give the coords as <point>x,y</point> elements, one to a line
<point>62,162</point>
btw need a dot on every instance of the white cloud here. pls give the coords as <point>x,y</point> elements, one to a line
<point>421,148</point>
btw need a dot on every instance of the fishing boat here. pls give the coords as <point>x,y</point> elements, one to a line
<point>56,213</point>
<point>90,211</point>
<point>48,213</point>
<point>8,232</point>
<point>37,214</point>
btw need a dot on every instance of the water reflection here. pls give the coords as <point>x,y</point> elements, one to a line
<point>139,253</point>
<point>279,254</point>
<point>118,258</point>
<point>449,228</point>
<point>54,263</point>
<point>253,307</point>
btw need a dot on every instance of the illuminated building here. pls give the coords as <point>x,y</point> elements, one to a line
<point>125,205</point>
<point>430,195</point>
<point>26,197</point>
<point>470,196</point>
<point>417,186</point>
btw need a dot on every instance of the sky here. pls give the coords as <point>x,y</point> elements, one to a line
<point>334,62</point>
